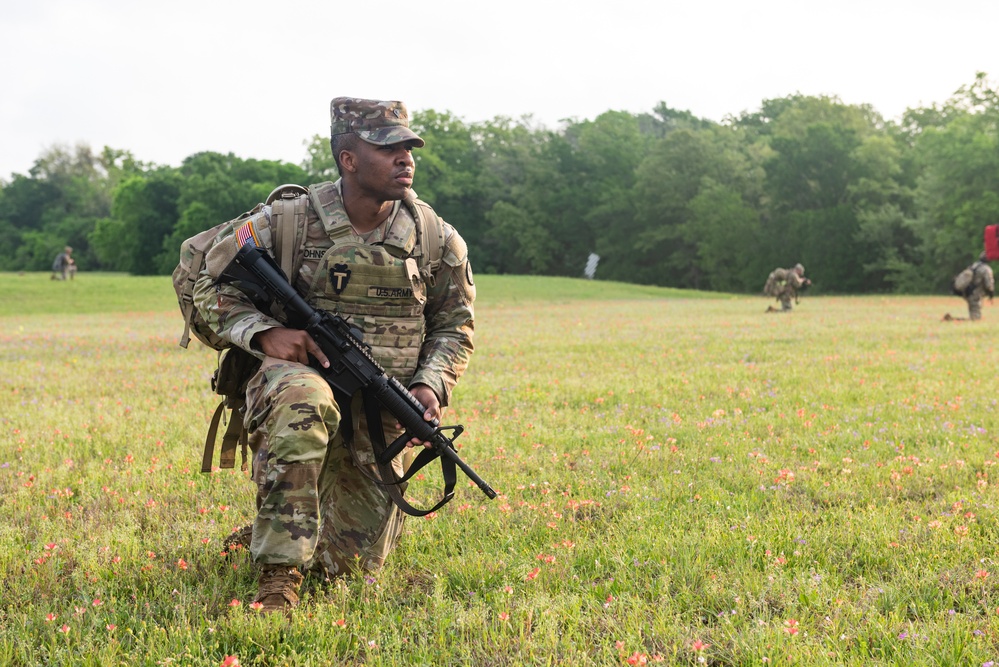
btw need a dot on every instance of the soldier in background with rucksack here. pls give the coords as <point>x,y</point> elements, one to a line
<point>784,285</point>
<point>64,266</point>
<point>972,284</point>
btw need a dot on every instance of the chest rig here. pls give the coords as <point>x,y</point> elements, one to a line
<point>379,286</point>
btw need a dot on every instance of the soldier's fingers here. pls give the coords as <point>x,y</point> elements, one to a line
<point>317,352</point>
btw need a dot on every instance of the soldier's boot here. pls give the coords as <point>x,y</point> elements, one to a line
<point>277,588</point>
<point>771,309</point>
<point>238,539</point>
<point>947,317</point>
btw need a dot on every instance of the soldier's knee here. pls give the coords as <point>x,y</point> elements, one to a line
<point>296,409</point>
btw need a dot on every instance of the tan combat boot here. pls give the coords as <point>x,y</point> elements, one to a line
<point>238,539</point>
<point>277,588</point>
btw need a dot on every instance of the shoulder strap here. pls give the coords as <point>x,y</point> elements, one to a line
<point>187,295</point>
<point>235,434</point>
<point>289,236</point>
<point>431,235</point>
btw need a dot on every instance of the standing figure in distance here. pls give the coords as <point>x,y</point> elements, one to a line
<point>784,285</point>
<point>972,284</point>
<point>382,259</point>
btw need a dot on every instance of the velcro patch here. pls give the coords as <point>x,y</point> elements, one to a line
<point>339,277</point>
<point>390,292</point>
<point>246,234</point>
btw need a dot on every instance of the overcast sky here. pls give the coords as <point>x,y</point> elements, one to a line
<point>168,79</point>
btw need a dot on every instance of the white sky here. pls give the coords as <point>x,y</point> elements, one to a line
<point>169,79</point>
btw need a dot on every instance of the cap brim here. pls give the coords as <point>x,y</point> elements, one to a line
<point>391,135</point>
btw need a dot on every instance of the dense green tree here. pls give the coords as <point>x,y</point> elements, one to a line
<point>957,191</point>
<point>319,164</point>
<point>663,197</point>
<point>448,170</point>
<point>144,212</point>
<point>670,240</point>
<point>724,230</point>
<point>823,176</point>
<point>594,202</point>
<point>513,164</point>
<point>59,203</point>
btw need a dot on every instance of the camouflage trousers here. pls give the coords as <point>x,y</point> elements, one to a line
<point>974,306</point>
<point>785,297</point>
<point>317,507</point>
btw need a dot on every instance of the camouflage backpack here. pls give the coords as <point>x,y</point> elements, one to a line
<point>775,282</point>
<point>235,365</point>
<point>962,283</point>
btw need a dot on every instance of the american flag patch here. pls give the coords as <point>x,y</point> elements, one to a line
<point>246,234</point>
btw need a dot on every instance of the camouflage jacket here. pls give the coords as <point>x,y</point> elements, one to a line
<point>450,292</point>
<point>782,282</point>
<point>983,280</point>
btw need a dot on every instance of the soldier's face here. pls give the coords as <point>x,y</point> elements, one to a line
<point>385,172</point>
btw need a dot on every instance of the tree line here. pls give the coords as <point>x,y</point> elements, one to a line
<point>664,198</point>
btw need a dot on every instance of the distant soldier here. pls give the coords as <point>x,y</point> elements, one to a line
<point>975,282</point>
<point>784,285</point>
<point>64,266</point>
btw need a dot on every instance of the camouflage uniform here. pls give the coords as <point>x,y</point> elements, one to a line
<point>783,284</point>
<point>317,507</point>
<point>982,284</point>
<point>64,266</point>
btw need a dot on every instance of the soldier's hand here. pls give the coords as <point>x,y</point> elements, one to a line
<point>428,398</point>
<point>290,345</point>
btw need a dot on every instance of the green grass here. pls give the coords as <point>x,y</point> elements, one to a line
<point>683,481</point>
<point>88,293</point>
<point>37,294</point>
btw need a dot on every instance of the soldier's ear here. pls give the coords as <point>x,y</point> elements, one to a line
<point>348,160</point>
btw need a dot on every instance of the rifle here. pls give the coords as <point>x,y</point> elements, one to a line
<point>352,368</point>
<point>805,282</point>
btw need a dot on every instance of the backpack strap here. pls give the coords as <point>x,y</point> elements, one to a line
<point>431,239</point>
<point>288,237</point>
<point>187,296</point>
<point>322,196</point>
<point>234,435</point>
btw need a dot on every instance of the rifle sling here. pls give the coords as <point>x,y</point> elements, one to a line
<point>386,474</point>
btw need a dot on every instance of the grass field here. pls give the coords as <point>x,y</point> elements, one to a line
<point>684,480</point>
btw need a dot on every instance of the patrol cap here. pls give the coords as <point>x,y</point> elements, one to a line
<point>376,121</point>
